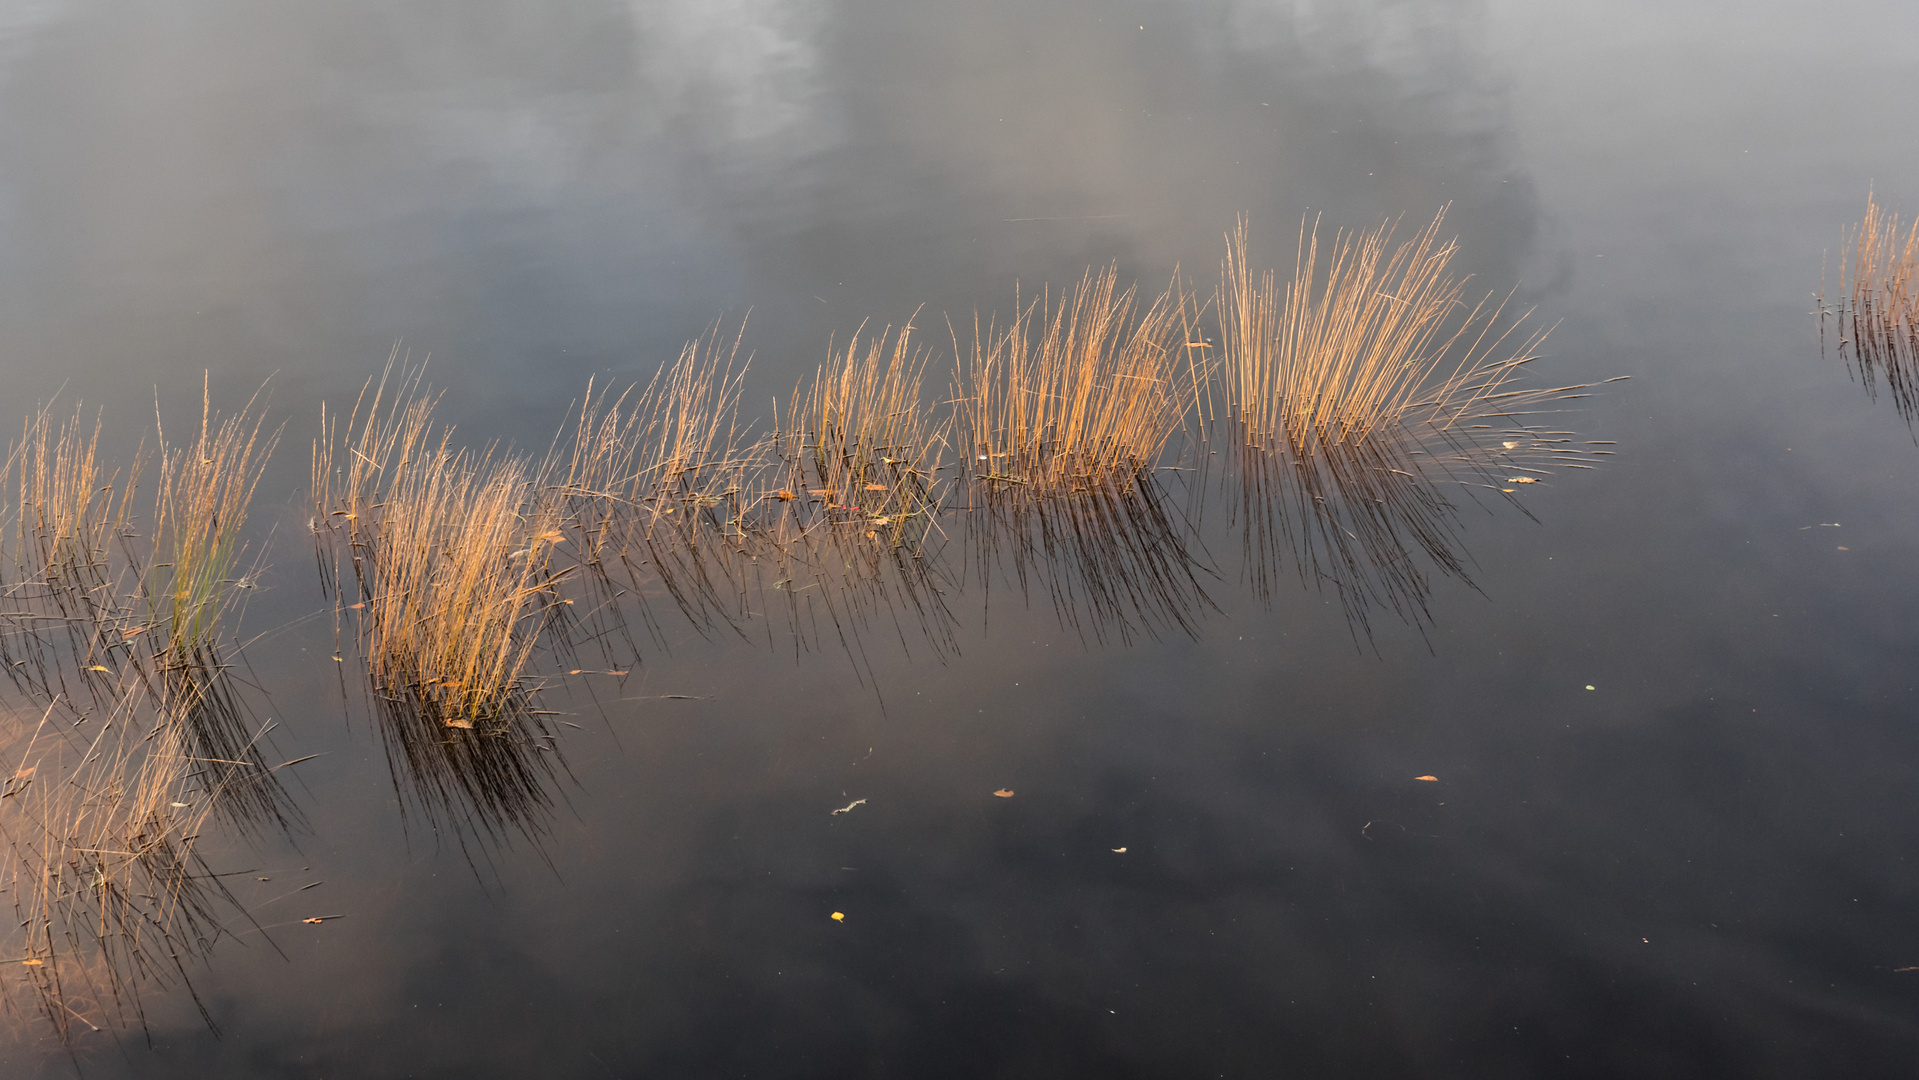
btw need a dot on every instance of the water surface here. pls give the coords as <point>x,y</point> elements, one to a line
<point>1672,825</point>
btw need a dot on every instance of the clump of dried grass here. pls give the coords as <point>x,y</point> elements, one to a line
<point>662,483</point>
<point>64,578</point>
<point>1358,395</point>
<point>453,577</point>
<point>1076,391</point>
<point>861,445</point>
<point>1878,306</point>
<point>847,530</point>
<point>1379,342</point>
<point>200,511</point>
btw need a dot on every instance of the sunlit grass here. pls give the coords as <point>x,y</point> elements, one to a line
<point>1077,389</point>
<point>660,482</point>
<point>862,445</point>
<point>453,577</point>
<point>1366,396</point>
<point>199,518</point>
<point>1878,305</point>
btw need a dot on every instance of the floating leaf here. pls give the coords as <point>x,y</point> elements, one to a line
<point>97,667</point>
<point>784,495</point>
<point>459,722</point>
<point>1004,793</point>
<point>316,922</point>
<point>839,916</point>
<point>876,487</point>
<point>30,962</point>
<point>1433,779</point>
<point>1119,851</point>
<point>1522,479</point>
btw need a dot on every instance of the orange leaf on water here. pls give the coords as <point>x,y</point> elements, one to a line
<point>1434,779</point>
<point>1004,793</point>
<point>34,963</point>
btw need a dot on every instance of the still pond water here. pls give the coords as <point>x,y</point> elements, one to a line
<point>1675,814</point>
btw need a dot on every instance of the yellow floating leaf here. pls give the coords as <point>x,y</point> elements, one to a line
<point>34,963</point>
<point>784,495</point>
<point>316,922</point>
<point>1004,793</point>
<point>1522,479</point>
<point>1433,779</point>
<point>839,916</point>
<point>97,667</point>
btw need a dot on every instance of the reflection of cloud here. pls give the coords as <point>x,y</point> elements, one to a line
<point>19,19</point>
<point>754,62</point>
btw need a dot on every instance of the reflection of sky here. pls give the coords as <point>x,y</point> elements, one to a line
<point>538,195</point>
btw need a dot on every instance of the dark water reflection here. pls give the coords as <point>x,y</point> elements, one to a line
<point>1699,866</point>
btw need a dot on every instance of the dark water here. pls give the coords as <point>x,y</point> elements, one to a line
<point>1674,823</point>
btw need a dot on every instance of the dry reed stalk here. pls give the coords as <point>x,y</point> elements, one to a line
<point>1879,306</point>
<point>1074,392</point>
<point>452,557</point>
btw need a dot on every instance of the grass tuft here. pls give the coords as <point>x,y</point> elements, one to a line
<point>1076,391</point>
<point>1878,312</point>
